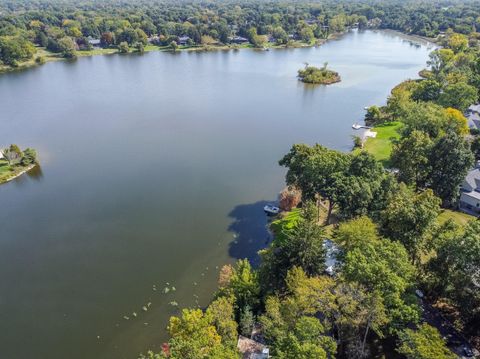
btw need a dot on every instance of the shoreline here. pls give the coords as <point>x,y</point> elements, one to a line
<point>53,57</point>
<point>17,174</point>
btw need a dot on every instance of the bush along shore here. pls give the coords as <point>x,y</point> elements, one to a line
<point>15,162</point>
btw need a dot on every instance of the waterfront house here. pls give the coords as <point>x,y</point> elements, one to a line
<point>473,117</point>
<point>183,40</point>
<point>94,42</point>
<point>251,349</point>
<point>153,39</point>
<point>239,40</point>
<point>474,109</point>
<point>470,192</point>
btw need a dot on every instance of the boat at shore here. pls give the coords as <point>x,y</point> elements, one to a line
<point>357,126</point>
<point>271,210</point>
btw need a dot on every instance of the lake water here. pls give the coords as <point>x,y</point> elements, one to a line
<point>155,169</point>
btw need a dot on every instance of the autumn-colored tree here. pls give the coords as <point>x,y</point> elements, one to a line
<point>289,198</point>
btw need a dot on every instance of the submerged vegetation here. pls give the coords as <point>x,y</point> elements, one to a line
<point>14,162</point>
<point>315,75</point>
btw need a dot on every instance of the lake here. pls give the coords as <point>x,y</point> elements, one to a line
<point>155,169</point>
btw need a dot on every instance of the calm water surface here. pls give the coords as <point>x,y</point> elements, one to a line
<point>155,169</point>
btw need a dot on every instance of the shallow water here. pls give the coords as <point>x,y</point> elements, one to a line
<point>155,168</point>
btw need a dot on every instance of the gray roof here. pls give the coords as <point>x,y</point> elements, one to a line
<point>475,108</point>
<point>473,194</point>
<point>473,119</point>
<point>473,178</point>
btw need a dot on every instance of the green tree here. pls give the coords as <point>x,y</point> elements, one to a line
<point>173,46</point>
<point>302,246</point>
<point>280,35</point>
<point>423,343</point>
<point>357,191</point>
<point>315,170</point>
<point>12,154</point>
<point>67,47</point>
<point>458,95</point>
<point>243,285</point>
<point>440,60</point>
<point>411,156</point>
<point>246,321</point>
<point>450,159</point>
<point>427,90</point>
<point>409,218</point>
<point>458,43</point>
<point>194,336</point>
<point>454,272</point>
<point>289,323</point>
<point>382,266</point>
<point>29,157</point>
<point>14,49</point>
<point>222,315</point>
<point>123,47</point>
<point>307,34</point>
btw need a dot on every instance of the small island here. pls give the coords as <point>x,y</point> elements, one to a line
<point>15,162</point>
<point>315,75</point>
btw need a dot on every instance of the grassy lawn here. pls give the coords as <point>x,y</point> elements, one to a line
<point>458,217</point>
<point>381,146</point>
<point>287,221</point>
<point>7,171</point>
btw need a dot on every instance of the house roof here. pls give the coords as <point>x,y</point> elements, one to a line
<point>475,108</point>
<point>251,349</point>
<point>473,178</point>
<point>473,119</point>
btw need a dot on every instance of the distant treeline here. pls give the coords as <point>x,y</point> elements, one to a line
<point>67,26</point>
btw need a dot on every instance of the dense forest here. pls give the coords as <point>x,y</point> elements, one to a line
<point>65,27</point>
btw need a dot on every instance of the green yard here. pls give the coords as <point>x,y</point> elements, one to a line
<point>7,171</point>
<point>381,146</point>
<point>458,217</point>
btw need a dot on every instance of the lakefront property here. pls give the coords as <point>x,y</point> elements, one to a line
<point>204,195</point>
<point>470,192</point>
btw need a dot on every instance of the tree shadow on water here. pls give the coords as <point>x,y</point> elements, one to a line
<point>249,228</point>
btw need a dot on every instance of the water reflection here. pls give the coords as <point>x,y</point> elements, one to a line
<point>250,228</point>
<point>36,173</point>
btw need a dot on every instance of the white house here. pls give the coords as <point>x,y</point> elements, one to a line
<point>473,117</point>
<point>470,192</point>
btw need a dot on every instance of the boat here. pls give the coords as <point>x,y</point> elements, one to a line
<point>356,126</point>
<point>271,210</point>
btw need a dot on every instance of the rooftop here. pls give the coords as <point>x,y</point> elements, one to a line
<point>473,178</point>
<point>251,349</point>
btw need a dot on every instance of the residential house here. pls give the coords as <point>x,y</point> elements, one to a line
<point>183,40</point>
<point>470,192</point>
<point>238,40</point>
<point>94,42</point>
<point>251,349</point>
<point>473,117</point>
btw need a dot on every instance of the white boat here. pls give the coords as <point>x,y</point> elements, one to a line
<point>271,209</point>
<point>356,126</point>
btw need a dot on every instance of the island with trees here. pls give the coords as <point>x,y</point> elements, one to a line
<point>402,253</point>
<point>318,76</point>
<point>14,162</point>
